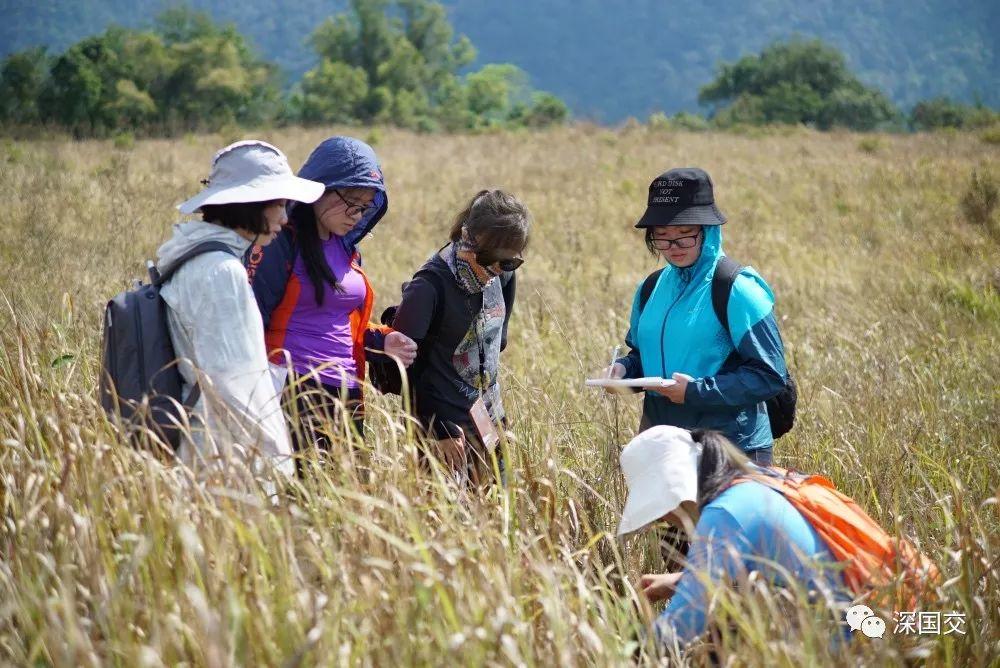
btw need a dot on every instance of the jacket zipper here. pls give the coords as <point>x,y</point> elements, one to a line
<point>663,328</point>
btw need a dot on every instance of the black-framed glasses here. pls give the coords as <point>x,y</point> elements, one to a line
<point>681,242</point>
<point>485,258</point>
<point>354,208</point>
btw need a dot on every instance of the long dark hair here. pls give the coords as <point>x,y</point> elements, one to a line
<point>247,216</point>
<point>721,464</point>
<point>495,220</point>
<point>303,217</point>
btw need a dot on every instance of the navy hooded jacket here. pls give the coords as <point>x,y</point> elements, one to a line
<point>338,162</point>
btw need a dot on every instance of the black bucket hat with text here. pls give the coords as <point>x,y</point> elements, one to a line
<point>681,197</point>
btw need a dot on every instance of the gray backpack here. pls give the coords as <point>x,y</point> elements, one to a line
<point>140,381</point>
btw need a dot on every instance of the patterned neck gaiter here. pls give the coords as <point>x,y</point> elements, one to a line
<point>463,270</point>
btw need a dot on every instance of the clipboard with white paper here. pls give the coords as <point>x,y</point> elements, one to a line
<point>648,381</point>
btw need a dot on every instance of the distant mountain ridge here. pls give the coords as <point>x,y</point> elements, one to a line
<point>607,59</point>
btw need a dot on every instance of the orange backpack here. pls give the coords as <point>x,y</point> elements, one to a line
<point>872,558</point>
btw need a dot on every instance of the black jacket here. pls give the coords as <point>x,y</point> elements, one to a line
<point>445,321</point>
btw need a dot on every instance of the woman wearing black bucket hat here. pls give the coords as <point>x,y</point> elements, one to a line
<point>726,359</point>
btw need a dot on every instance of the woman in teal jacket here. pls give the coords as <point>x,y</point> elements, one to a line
<point>723,379</point>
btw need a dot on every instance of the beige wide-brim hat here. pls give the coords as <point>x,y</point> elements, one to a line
<point>660,466</point>
<point>252,171</point>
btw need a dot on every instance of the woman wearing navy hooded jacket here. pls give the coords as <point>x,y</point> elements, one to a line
<point>723,379</point>
<point>314,297</point>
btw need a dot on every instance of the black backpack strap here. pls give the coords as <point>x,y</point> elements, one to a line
<point>647,288</point>
<point>726,271</point>
<point>193,396</point>
<point>202,248</point>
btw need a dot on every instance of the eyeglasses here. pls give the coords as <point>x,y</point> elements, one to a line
<point>680,242</point>
<point>485,258</point>
<point>354,208</point>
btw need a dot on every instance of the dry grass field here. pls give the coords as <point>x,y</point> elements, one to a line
<point>889,304</point>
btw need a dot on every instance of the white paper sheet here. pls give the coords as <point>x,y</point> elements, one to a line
<point>649,381</point>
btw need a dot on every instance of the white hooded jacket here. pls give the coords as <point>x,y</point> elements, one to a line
<point>218,336</point>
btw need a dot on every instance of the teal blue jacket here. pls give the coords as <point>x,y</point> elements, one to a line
<point>735,373</point>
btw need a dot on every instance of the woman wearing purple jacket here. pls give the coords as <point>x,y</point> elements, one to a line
<point>315,299</point>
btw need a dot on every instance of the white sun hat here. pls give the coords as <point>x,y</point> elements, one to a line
<point>252,171</point>
<point>660,466</point>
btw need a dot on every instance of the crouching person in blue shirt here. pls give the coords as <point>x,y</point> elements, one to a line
<point>687,478</point>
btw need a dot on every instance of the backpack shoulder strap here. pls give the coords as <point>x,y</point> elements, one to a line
<point>775,477</point>
<point>159,279</point>
<point>726,271</point>
<point>200,249</point>
<point>647,288</point>
<point>193,396</point>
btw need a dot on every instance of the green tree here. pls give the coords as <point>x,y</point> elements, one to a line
<point>132,106</point>
<point>431,34</point>
<point>331,92</point>
<point>412,63</point>
<point>493,89</point>
<point>22,78</point>
<point>389,61</point>
<point>939,112</point>
<point>217,80</point>
<point>406,50</point>
<point>187,73</point>
<point>857,107</point>
<point>82,86</point>
<point>545,110</point>
<point>943,112</point>
<point>213,76</point>
<point>453,112</point>
<point>180,24</point>
<point>795,82</point>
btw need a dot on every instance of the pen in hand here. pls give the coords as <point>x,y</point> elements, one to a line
<point>614,356</point>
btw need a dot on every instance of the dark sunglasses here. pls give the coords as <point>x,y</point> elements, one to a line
<point>486,259</point>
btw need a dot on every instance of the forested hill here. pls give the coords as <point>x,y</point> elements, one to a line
<point>613,58</point>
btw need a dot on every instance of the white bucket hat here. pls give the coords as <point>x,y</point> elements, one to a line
<point>660,466</point>
<point>252,171</point>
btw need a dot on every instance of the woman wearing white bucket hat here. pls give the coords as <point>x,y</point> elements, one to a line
<point>686,479</point>
<point>215,326</point>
